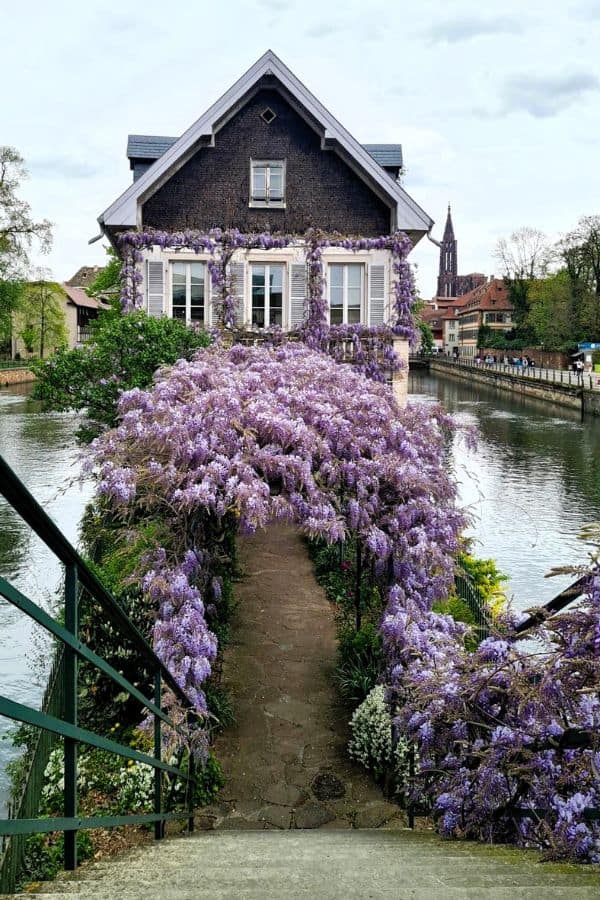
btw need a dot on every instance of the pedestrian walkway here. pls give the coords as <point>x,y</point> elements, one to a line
<point>285,759</point>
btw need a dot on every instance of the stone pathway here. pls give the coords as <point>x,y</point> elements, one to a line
<point>284,758</point>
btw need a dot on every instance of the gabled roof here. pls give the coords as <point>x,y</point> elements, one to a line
<point>123,213</point>
<point>493,295</point>
<point>152,147</point>
<point>78,297</point>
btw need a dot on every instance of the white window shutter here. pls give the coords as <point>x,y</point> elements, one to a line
<point>236,270</point>
<point>156,288</point>
<point>297,294</point>
<point>376,294</point>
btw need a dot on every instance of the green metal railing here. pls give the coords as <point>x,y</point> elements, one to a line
<point>14,364</point>
<point>61,721</point>
<point>467,591</point>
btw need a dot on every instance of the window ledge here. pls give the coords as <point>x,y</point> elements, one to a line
<point>267,204</point>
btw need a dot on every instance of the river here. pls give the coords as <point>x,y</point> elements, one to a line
<point>530,485</point>
<point>41,448</point>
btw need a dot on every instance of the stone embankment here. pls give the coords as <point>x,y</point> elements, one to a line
<point>15,376</point>
<point>571,395</point>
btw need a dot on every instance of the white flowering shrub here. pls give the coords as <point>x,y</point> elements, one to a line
<point>371,741</point>
<point>126,786</point>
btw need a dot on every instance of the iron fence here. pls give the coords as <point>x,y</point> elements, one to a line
<point>58,718</point>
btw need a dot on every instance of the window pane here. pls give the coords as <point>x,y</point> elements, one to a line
<point>336,276</point>
<point>336,315</point>
<point>354,275</point>
<point>259,183</point>
<point>258,296</point>
<point>197,313</point>
<point>336,289</point>
<point>179,312</point>
<point>178,273</point>
<point>353,316</point>
<point>198,278</point>
<point>275,295</point>
<point>276,183</point>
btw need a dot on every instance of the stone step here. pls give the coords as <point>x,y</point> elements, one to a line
<point>326,865</point>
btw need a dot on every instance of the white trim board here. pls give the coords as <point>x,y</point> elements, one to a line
<point>123,213</point>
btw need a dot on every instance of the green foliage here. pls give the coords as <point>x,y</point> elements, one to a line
<point>486,578</point>
<point>41,318</point>
<point>11,293</point>
<point>210,780</point>
<point>360,662</point>
<point>426,337</point>
<point>44,855</point>
<point>108,281</point>
<point>219,706</point>
<point>124,353</point>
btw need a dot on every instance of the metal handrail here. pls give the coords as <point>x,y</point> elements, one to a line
<point>78,574</point>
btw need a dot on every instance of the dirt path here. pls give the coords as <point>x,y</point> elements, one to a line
<point>284,758</point>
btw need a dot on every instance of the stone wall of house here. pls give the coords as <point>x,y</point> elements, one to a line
<point>212,188</point>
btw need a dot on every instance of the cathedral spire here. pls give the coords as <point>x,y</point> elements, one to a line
<point>447,277</point>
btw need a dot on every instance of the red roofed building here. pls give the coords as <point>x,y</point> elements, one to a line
<point>489,305</point>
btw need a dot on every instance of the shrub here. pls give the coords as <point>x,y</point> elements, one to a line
<point>360,662</point>
<point>371,743</point>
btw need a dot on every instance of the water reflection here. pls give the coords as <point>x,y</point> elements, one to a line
<point>41,448</point>
<point>531,484</point>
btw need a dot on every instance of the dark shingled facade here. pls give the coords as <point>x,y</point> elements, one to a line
<point>212,188</point>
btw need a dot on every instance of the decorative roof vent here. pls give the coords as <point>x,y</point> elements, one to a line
<point>267,115</point>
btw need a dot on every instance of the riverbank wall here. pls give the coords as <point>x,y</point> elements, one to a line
<point>561,394</point>
<point>15,376</point>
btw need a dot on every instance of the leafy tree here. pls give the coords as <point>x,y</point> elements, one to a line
<point>125,352</point>
<point>42,316</point>
<point>108,281</point>
<point>17,228</point>
<point>17,231</point>
<point>426,337</point>
<point>551,311</point>
<point>580,252</point>
<point>524,257</point>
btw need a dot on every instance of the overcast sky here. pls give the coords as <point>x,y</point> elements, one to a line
<point>497,106</point>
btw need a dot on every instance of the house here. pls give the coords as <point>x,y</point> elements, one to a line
<point>80,310</point>
<point>266,157</point>
<point>488,305</point>
<point>433,317</point>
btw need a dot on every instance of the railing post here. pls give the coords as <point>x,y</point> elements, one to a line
<point>191,786</point>
<point>158,825</point>
<point>70,699</point>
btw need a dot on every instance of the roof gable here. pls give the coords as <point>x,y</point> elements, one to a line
<point>123,213</point>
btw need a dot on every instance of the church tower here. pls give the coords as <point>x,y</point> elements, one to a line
<point>447,278</point>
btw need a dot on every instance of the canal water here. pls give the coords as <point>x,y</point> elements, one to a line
<point>41,448</point>
<point>531,483</point>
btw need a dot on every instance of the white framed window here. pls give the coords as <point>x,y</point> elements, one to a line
<point>189,292</point>
<point>346,293</point>
<point>267,294</point>
<point>267,182</point>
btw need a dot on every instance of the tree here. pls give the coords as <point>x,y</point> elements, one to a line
<point>107,283</point>
<point>525,256</point>
<point>124,353</point>
<point>11,294</point>
<point>17,228</point>
<point>42,315</point>
<point>580,252</point>
<point>551,311</point>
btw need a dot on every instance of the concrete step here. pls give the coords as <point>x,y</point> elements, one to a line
<point>325,865</point>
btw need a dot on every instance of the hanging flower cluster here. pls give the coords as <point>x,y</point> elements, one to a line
<point>255,435</point>
<point>508,739</point>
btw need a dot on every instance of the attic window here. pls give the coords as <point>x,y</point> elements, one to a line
<point>267,115</point>
<point>267,182</point>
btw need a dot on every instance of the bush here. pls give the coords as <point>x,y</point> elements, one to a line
<point>360,662</point>
<point>124,353</point>
<point>371,743</point>
<point>44,855</point>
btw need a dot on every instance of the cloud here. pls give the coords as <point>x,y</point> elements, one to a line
<point>62,167</point>
<point>465,28</point>
<point>543,96</point>
<point>323,30</point>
